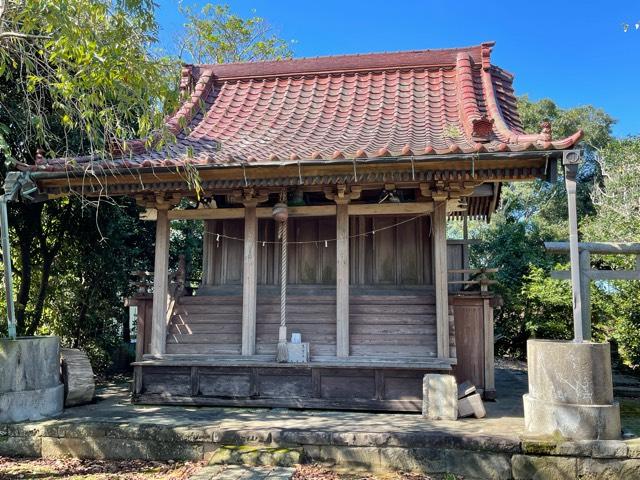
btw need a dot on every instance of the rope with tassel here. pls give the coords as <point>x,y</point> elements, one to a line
<point>282,354</point>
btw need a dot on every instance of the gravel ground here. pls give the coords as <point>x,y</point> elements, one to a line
<point>75,469</point>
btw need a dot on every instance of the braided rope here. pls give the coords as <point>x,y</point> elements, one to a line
<point>283,274</point>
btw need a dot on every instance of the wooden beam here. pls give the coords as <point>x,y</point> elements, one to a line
<point>342,279</point>
<point>249,280</point>
<point>262,212</point>
<point>391,208</point>
<point>306,211</point>
<point>160,285</point>
<point>439,229</point>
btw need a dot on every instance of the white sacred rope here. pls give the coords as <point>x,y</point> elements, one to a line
<point>220,236</point>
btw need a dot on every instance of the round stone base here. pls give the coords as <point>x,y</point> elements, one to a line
<point>572,422</point>
<point>31,404</point>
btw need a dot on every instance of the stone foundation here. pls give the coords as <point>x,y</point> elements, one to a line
<point>30,387</point>
<point>470,456</point>
<point>570,391</point>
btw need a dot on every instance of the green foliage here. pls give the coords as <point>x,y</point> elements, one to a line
<point>85,303</point>
<point>74,76</point>
<point>548,309</point>
<point>617,199</point>
<point>530,214</point>
<point>617,205</point>
<point>215,35</point>
<point>82,68</point>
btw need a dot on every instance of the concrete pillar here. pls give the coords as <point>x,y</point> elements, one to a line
<point>570,391</point>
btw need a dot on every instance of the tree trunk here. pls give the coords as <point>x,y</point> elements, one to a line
<point>47,263</point>
<point>25,282</point>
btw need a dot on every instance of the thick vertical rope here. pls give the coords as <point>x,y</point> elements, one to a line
<point>282,353</point>
<point>283,275</point>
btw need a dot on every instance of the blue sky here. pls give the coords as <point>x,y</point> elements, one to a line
<point>572,52</point>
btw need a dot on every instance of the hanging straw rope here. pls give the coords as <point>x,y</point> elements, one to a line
<point>282,354</point>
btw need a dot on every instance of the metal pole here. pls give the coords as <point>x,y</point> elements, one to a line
<point>571,169</point>
<point>6,258</point>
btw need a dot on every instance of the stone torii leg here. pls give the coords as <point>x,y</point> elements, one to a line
<point>571,160</point>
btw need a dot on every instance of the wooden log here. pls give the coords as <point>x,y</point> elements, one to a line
<point>77,376</point>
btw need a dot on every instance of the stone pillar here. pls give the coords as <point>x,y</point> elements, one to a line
<point>30,387</point>
<point>439,397</point>
<point>570,391</point>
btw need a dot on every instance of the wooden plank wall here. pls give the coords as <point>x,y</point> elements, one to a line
<point>312,314</point>
<point>399,255</point>
<point>392,305</point>
<point>392,325</point>
<point>207,325</point>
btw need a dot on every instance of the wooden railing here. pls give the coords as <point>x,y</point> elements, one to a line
<point>475,276</point>
<point>143,300</point>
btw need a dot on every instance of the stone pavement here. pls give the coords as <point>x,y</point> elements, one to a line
<point>504,416</point>
<point>239,472</point>
<point>492,447</point>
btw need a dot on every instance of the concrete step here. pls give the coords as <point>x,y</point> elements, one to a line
<point>254,455</point>
<point>238,472</point>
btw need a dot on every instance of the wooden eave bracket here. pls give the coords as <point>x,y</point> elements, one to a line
<point>248,196</point>
<point>158,201</point>
<point>342,193</point>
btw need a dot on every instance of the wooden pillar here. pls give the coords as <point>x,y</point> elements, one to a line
<point>585,292</point>
<point>249,279</point>
<point>208,252</point>
<point>489,360</point>
<point>439,229</point>
<point>342,278</point>
<point>160,284</point>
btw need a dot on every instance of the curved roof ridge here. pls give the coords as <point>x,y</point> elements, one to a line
<point>467,101</point>
<point>525,140</point>
<point>339,63</point>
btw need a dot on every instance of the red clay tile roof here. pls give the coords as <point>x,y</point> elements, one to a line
<point>354,106</point>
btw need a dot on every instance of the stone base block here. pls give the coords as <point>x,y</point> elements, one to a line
<point>31,404</point>
<point>571,422</point>
<point>439,397</point>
